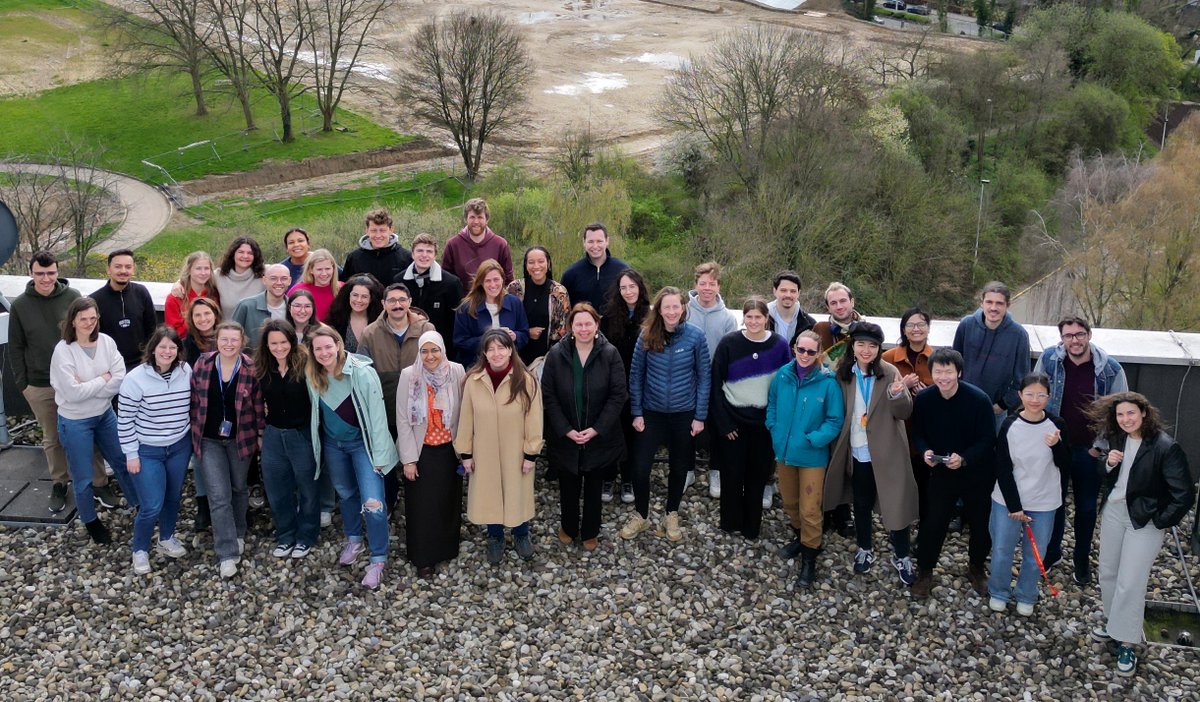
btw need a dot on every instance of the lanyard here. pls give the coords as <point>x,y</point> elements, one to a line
<point>232,379</point>
<point>865,384</point>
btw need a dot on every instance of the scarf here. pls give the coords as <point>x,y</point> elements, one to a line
<point>438,379</point>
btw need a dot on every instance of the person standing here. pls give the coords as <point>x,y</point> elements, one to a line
<point>434,290</point>
<point>320,280</point>
<point>152,425</point>
<point>195,280</point>
<point>499,438</point>
<point>869,465</point>
<point>1147,489</point>
<point>427,407</point>
<point>297,244</point>
<point>835,339</point>
<point>253,312</point>
<point>669,383</point>
<point>86,371</point>
<point>476,243</point>
<point>788,319</point>
<point>742,369</point>
<point>707,312</point>
<point>545,302</point>
<point>584,389</point>
<point>995,350</point>
<point>301,314</point>
<point>954,429</point>
<point>358,303</point>
<point>379,251</point>
<point>348,425</point>
<point>804,415</point>
<point>624,313</point>
<point>1031,451</point>
<point>228,417</point>
<point>1078,372</point>
<point>911,359</point>
<point>590,278</point>
<point>126,310</point>
<point>485,307</point>
<point>240,275</point>
<point>34,330</point>
<point>203,316</point>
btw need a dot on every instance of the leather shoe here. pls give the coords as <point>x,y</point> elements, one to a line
<point>978,578</point>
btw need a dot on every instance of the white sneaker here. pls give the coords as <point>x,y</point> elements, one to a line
<point>241,546</point>
<point>141,562</point>
<point>714,484</point>
<point>689,480</point>
<point>996,604</point>
<point>768,496</point>
<point>326,519</point>
<point>171,547</point>
<point>283,550</point>
<point>1025,609</point>
<point>228,568</point>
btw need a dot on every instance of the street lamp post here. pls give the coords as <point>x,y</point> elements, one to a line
<point>978,228</point>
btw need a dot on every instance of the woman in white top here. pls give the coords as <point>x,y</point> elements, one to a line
<point>1030,453</point>
<point>86,371</point>
<point>240,275</point>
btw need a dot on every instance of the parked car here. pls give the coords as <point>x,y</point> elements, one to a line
<point>894,5</point>
<point>918,10</point>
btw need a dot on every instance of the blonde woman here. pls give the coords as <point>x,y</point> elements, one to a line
<point>320,279</point>
<point>195,280</point>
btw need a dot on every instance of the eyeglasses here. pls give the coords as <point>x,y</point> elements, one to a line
<point>1034,395</point>
<point>1077,336</point>
<point>916,326</point>
<point>806,352</point>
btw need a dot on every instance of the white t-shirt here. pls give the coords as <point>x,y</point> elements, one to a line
<point>1037,478</point>
<point>279,312</point>
<point>494,310</point>
<point>1131,448</point>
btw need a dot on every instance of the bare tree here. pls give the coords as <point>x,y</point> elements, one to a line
<point>86,200</point>
<point>34,196</point>
<point>340,33</point>
<point>279,30</point>
<point>229,49</point>
<point>166,34</point>
<point>468,74</point>
<point>912,59</point>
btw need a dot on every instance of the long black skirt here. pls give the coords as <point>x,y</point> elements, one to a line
<point>433,507</point>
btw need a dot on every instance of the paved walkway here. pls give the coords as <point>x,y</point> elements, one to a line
<point>146,210</point>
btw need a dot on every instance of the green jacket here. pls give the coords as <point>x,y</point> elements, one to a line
<point>367,395</point>
<point>34,329</point>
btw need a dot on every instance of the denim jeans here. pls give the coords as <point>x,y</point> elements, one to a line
<point>358,484</point>
<point>1007,533</point>
<point>224,474</point>
<point>288,470</point>
<point>159,485</point>
<point>79,438</point>
<point>496,531</point>
<point>1086,481</point>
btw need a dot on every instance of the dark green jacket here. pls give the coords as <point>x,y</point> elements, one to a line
<point>34,328</point>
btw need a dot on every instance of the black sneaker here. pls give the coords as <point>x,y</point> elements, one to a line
<point>606,491</point>
<point>106,496</point>
<point>1082,578</point>
<point>58,498</point>
<point>863,561</point>
<point>98,531</point>
<point>257,498</point>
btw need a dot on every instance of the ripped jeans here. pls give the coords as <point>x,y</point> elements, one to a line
<point>360,493</point>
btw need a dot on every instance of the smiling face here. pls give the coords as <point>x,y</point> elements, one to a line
<point>476,223</point>
<point>806,351</point>
<point>1129,418</point>
<point>121,269</point>
<point>756,321</point>
<point>201,272</point>
<point>786,294</point>
<point>301,309</point>
<point>628,288</point>
<point>1076,339</point>
<point>229,342</point>
<point>279,345</point>
<point>278,279</point>
<point>325,352</point>
<point>595,243</point>
<point>423,255</point>
<point>707,288</point>
<point>1034,397</point>
<point>671,311</point>
<point>584,328</point>
<point>360,298</point>
<point>396,303</point>
<point>498,355</point>
<point>243,258</point>
<point>85,323</point>
<point>323,273</point>
<point>380,235</point>
<point>840,306</point>
<point>916,330</point>
<point>945,377</point>
<point>536,265</point>
<point>165,353</point>
<point>44,277</point>
<point>493,286</point>
<point>297,246</point>
<point>431,356</point>
<point>994,306</point>
<point>865,351</point>
<point>203,319</point>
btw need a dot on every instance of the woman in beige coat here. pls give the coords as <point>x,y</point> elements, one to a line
<point>499,437</point>
<point>869,466</point>
<point>428,398</point>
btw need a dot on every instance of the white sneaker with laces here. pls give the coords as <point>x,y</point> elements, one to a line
<point>172,548</point>
<point>141,562</point>
<point>326,519</point>
<point>228,568</point>
<point>714,484</point>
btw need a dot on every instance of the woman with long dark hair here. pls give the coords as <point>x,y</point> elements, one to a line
<point>545,301</point>
<point>1147,489</point>
<point>499,438</point>
<point>241,273</point>
<point>628,302</point>
<point>301,313</point>
<point>428,399</point>
<point>203,316</point>
<point>911,359</point>
<point>358,303</point>
<point>486,306</point>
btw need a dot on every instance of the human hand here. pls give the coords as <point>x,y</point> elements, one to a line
<point>1053,437</point>
<point>410,471</point>
<point>1114,458</point>
<point>697,427</point>
<point>468,465</point>
<point>911,381</point>
<point>527,466</point>
<point>954,462</point>
<point>639,424</point>
<point>1020,517</point>
<point>536,332</point>
<point>587,435</point>
<point>133,465</point>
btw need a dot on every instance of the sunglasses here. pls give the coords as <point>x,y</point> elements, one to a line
<point>806,352</point>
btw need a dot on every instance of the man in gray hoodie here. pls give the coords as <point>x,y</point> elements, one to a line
<point>706,311</point>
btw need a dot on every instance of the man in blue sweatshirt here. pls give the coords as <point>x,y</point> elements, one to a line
<point>995,350</point>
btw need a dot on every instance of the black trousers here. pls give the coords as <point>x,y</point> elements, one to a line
<point>866,491</point>
<point>622,471</point>
<point>946,487</point>
<point>675,430</point>
<point>570,485</point>
<point>746,464</point>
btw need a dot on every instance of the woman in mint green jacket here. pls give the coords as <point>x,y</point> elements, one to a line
<point>349,429</point>
<point>804,415</point>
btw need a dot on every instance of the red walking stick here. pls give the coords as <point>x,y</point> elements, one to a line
<point>1037,556</point>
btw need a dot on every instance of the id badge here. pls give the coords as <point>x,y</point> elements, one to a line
<point>226,429</point>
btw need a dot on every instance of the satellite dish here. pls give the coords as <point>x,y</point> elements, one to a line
<point>8,234</point>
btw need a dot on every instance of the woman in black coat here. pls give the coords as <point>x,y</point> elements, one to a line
<point>583,390</point>
<point>626,307</point>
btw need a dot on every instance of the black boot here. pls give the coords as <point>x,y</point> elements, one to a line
<point>808,567</point>
<point>792,548</point>
<point>203,518</point>
<point>98,531</point>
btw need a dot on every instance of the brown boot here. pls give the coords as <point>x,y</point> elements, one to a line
<point>978,578</point>
<point>923,586</point>
<point>562,536</point>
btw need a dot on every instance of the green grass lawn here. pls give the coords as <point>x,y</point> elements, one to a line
<point>152,117</point>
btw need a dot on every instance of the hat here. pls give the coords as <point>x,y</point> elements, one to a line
<point>866,331</point>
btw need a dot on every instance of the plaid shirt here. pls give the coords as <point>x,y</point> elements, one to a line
<point>251,414</point>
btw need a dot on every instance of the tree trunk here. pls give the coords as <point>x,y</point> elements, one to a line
<point>198,92</point>
<point>326,119</point>
<point>285,117</point>
<point>244,97</point>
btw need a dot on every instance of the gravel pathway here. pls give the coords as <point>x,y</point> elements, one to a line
<point>714,617</point>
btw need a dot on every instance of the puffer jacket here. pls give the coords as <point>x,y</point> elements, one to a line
<point>676,379</point>
<point>1160,489</point>
<point>804,417</point>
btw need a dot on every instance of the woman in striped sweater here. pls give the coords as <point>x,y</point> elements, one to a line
<point>153,429</point>
<point>743,365</point>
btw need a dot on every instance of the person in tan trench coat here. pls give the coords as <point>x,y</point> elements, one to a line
<point>499,437</point>
<point>869,466</point>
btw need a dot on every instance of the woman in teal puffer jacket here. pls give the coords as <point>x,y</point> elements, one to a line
<point>804,415</point>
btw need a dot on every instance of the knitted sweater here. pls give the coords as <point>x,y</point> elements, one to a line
<point>233,287</point>
<point>77,378</point>
<point>742,371</point>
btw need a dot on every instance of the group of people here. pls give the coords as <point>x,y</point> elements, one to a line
<point>396,373</point>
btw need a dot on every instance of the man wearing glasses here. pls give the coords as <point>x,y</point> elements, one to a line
<point>1079,372</point>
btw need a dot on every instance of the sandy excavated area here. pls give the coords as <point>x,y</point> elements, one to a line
<point>62,51</point>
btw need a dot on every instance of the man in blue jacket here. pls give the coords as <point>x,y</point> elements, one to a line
<point>589,278</point>
<point>1079,372</point>
<point>995,350</point>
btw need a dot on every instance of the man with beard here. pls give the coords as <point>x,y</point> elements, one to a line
<point>476,243</point>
